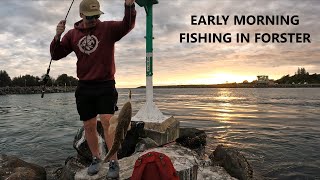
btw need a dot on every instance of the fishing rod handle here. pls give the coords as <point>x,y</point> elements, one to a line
<point>48,70</point>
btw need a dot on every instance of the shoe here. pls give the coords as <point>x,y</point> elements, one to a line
<point>94,166</point>
<point>114,169</point>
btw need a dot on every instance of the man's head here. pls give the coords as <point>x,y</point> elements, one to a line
<point>90,12</point>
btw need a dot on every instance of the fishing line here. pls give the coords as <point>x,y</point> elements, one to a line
<point>46,77</point>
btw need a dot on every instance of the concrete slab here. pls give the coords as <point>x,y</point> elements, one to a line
<point>163,132</point>
<point>159,127</point>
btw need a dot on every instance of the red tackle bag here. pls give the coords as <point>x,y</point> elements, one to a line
<point>154,166</point>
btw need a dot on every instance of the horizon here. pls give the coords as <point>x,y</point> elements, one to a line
<point>27,34</point>
<point>204,84</point>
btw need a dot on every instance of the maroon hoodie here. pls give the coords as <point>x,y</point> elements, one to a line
<point>94,47</point>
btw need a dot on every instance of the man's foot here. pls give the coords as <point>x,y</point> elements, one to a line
<point>113,172</point>
<point>94,166</point>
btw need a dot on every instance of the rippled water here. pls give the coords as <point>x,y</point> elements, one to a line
<point>278,130</point>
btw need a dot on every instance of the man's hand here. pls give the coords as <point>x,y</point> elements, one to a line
<point>130,2</point>
<point>60,29</point>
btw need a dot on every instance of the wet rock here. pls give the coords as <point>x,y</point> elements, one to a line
<point>133,136</point>
<point>84,157</point>
<point>232,161</point>
<point>213,172</point>
<point>72,165</point>
<point>145,143</point>
<point>53,171</point>
<point>2,93</point>
<point>192,138</point>
<point>81,145</point>
<point>13,168</point>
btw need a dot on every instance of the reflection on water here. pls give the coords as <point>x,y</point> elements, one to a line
<point>276,129</point>
<point>221,106</point>
<point>268,125</point>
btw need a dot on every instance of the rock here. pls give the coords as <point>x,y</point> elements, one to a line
<point>84,158</point>
<point>2,93</point>
<point>13,168</point>
<point>81,145</point>
<point>185,161</point>
<point>192,138</point>
<point>128,147</point>
<point>72,165</point>
<point>145,143</point>
<point>53,171</point>
<point>232,161</point>
<point>133,136</point>
<point>213,172</point>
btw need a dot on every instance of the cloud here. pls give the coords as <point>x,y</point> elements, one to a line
<point>28,26</point>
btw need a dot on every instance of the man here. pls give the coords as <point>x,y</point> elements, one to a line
<point>93,43</point>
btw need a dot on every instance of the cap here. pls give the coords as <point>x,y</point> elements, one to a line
<point>90,8</point>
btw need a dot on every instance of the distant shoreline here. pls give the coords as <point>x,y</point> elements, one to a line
<point>62,89</point>
<point>240,85</point>
<point>35,90</point>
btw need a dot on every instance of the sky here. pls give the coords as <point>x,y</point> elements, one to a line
<point>28,26</point>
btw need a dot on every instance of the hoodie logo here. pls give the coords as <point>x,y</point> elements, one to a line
<point>88,44</point>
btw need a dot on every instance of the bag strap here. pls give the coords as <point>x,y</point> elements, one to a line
<point>163,166</point>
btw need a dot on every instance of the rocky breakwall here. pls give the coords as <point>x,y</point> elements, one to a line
<point>187,154</point>
<point>13,168</point>
<point>186,162</point>
<point>35,90</point>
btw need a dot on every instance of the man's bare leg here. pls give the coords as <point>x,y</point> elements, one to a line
<point>114,169</point>
<point>108,137</point>
<point>90,127</point>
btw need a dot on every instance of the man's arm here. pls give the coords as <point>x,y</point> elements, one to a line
<point>61,49</point>
<point>121,28</point>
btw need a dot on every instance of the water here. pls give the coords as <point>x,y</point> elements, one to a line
<point>278,130</point>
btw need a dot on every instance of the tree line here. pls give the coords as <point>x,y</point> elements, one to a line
<point>300,77</point>
<point>29,80</point>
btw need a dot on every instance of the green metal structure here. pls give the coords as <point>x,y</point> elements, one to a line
<point>149,111</point>
<point>148,5</point>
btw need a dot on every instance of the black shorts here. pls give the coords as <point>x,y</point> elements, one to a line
<point>96,97</point>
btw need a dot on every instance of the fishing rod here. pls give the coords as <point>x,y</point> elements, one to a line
<point>46,77</point>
